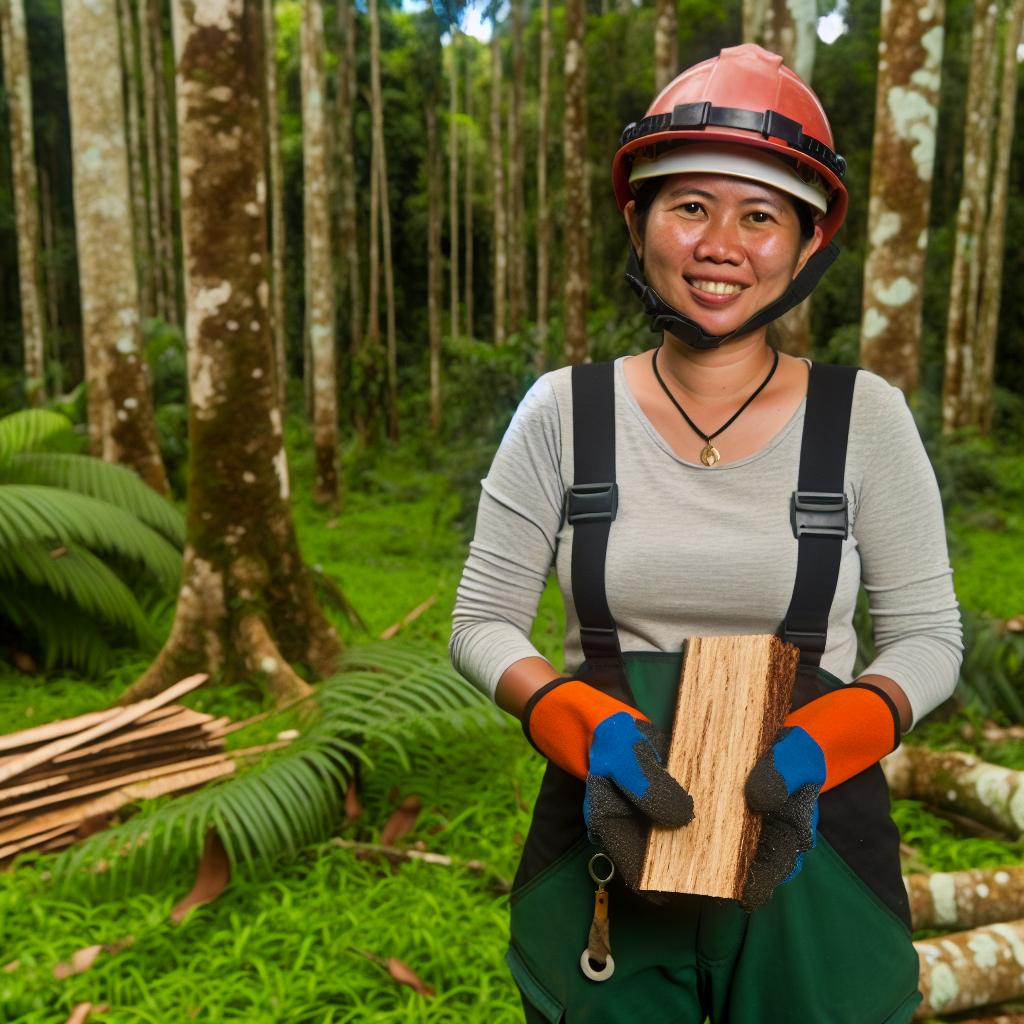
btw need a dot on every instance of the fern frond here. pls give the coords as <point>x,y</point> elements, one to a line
<point>27,429</point>
<point>46,515</point>
<point>87,475</point>
<point>77,575</point>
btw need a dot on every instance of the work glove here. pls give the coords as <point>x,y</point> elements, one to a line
<point>620,755</point>
<point>820,745</point>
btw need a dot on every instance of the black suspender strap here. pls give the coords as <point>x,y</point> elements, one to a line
<point>591,505</point>
<point>818,508</point>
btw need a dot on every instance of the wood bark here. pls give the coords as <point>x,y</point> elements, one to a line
<point>18,85</point>
<point>666,43</point>
<point>903,157</point>
<point>317,237</point>
<point>349,222</point>
<point>734,694</point>
<point>51,283</point>
<point>499,239</point>
<point>246,604</point>
<point>140,219</point>
<point>434,264</point>
<point>961,322</point>
<point>959,782</point>
<point>389,292</point>
<point>995,234</point>
<point>121,427</point>
<point>543,213</point>
<point>165,151</point>
<point>516,242</point>
<point>577,208</point>
<point>790,29</point>
<point>467,209</point>
<point>974,968</point>
<point>966,899</point>
<point>453,186</point>
<point>277,226</point>
<point>152,182</point>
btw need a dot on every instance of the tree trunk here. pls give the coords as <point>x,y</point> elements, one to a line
<point>389,292</point>
<point>543,214</point>
<point>499,239</point>
<point>516,251</point>
<point>319,277</point>
<point>349,223</point>
<point>961,322</point>
<point>434,264</point>
<point>165,143</point>
<point>903,156</point>
<point>121,427</point>
<point>51,284</point>
<point>666,43</point>
<point>467,210</point>
<point>577,213</point>
<point>959,782</point>
<point>140,227</point>
<point>790,29</point>
<point>453,191</point>
<point>18,85</point>
<point>964,970</point>
<point>160,297</point>
<point>966,899</point>
<point>277,227</point>
<point>995,233</point>
<point>246,605</point>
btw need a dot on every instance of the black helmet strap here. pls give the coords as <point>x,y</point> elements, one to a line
<point>667,318</point>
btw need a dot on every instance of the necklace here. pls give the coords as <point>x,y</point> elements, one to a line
<point>710,454</point>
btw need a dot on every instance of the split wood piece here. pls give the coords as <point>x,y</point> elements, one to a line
<point>123,717</point>
<point>172,745</point>
<point>965,970</point>
<point>959,782</point>
<point>966,899</point>
<point>35,786</point>
<point>185,719</point>
<point>41,837</point>
<point>734,695</point>
<point>114,783</point>
<point>109,803</point>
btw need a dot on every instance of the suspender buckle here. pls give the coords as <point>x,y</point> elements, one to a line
<point>588,503</point>
<point>819,514</point>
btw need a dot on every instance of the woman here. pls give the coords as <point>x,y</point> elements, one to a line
<point>713,486</point>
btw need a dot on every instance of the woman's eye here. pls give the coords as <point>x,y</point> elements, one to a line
<point>690,207</point>
<point>761,216</point>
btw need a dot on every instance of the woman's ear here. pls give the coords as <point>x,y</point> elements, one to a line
<point>629,212</point>
<point>808,248</point>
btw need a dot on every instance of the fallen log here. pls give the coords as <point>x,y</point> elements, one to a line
<point>959,782</point>
<point>965,970</point>
<point>966,899</point>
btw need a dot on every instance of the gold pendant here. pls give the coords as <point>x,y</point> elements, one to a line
<point>710,455</point>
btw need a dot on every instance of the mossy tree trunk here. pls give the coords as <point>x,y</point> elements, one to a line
<point>276,167</point>
<point>453,184</point>
<point>902,161</point>
<point>434,263</point>
<point>18,85</point>
<point>152,183</point>
<point>319,276</point>
<point>121,427</point>
<point>467,208</point>
<point>577,208</point>
<point>349,233</point>
<point>499,230</point>
<point>246,605</point>
<point>666,43</point>
<point>543,213</point>
<point>516,240</point>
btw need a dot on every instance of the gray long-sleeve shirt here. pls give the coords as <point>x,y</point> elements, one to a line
<point>697,551</point>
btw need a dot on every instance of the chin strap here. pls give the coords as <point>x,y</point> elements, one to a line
<point>667,318</point>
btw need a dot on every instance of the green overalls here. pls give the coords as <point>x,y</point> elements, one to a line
<point>831,947</point>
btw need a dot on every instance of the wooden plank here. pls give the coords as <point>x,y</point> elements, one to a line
<point>185,720</point>
<point>51,730</point>
<point>36,840</point>
<point>733,697</point>
<point>115,783</point>
<point>124,716</point>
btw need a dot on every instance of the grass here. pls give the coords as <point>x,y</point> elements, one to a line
<point>288,945</point>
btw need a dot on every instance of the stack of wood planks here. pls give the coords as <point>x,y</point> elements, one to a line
<point>63,780</point>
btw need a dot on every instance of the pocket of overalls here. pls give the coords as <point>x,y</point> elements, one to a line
<point>536,996</point>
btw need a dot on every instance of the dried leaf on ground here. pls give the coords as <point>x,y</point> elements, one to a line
<point>81,960</point>
<point>402,821</point>
<point>80,1014</point>
<point>353,805</point>
<point>405,975</point>
<point>212,877</point>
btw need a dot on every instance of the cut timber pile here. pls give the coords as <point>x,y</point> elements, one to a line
<point>62,780</point>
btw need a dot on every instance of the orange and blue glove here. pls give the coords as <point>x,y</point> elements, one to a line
<point>620,755</point>
<point>820,745</point>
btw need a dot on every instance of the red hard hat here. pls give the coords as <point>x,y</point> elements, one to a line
<point>745,96</point>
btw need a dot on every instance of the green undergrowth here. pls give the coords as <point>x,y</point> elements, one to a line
<point>301,942</point>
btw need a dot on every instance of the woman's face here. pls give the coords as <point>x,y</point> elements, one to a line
<point>720,248</point>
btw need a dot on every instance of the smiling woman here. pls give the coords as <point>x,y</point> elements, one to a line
<point>713,486</point>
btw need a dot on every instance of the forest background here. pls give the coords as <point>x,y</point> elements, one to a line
<point>428,225</point>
